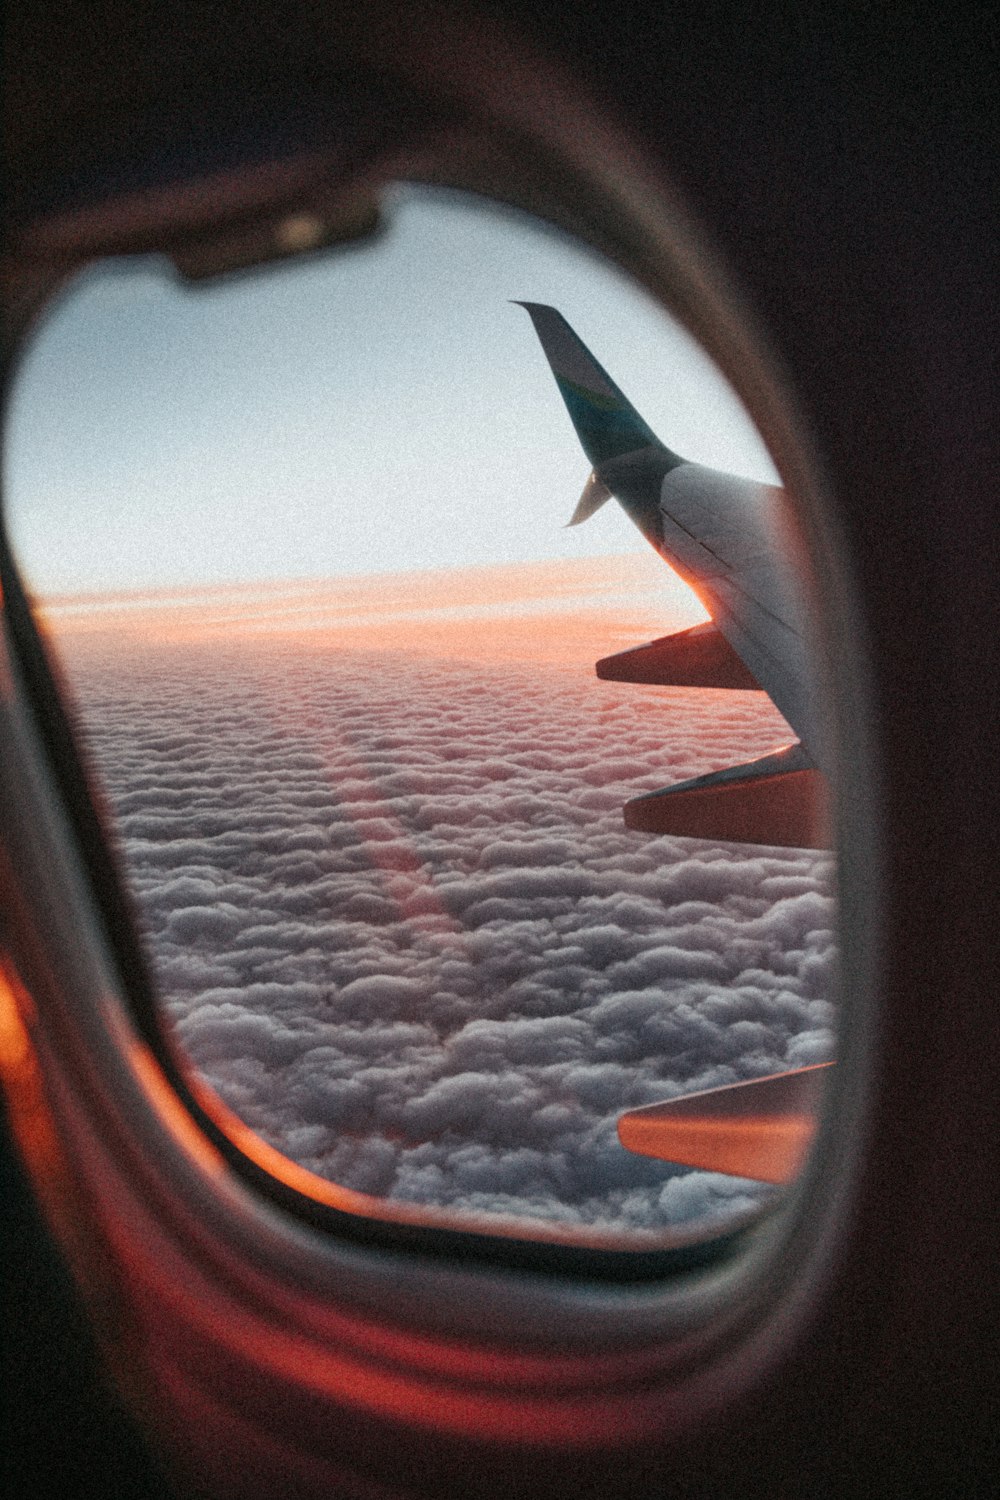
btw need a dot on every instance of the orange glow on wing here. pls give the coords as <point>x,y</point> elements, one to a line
<point>761,1128</point>
<point>769,1148</point>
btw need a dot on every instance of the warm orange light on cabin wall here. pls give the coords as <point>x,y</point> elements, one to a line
<point>235,1362</point>
<point>20,1076</point>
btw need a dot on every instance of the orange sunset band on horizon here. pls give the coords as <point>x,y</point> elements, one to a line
<point>557,612</point>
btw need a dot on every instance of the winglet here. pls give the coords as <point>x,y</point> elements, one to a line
<point>606,422</point>
<point>595,492</point>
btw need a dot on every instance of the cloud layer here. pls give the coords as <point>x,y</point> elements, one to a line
<point>398,924</point>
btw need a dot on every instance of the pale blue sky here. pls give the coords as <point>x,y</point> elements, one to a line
<point>375,410</point>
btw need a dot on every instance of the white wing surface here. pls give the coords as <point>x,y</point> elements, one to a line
<point>722,535</point>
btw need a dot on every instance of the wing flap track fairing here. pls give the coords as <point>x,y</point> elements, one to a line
<point>778,800</point>
<point>699,657</point>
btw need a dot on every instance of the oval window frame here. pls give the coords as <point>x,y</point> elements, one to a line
<point>653,240</point>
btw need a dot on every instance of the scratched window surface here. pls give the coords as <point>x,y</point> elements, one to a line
<point>299,541</point>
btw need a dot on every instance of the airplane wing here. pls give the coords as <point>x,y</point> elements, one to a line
<point>719,533</point>
<point>760,1129</point>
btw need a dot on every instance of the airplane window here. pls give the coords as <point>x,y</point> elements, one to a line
<point>420,910</point>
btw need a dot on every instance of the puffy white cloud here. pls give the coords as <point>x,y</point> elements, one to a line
<point>398,923</point>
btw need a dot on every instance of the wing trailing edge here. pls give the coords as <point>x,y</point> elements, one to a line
<point>699,657</point>
<point>761,1129</point>
<point>779,800</point>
